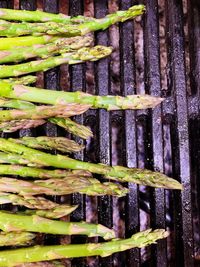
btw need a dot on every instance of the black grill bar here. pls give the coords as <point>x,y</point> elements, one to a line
<point>127,69</point>
<point>184,231</point>
<point>153,80</point>
<point>102,88</point>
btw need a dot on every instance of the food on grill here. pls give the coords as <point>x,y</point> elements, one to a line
<point>17,29</point>
<point>63,186</point>
<point>62,144</point>
<point>16,238</point>
<point>32,223</point>
<point>25,80</point>
<point>33,202</point>
<point>81,55</point>
<point>109,102</point>
<point>43,112</point>
<point>60,46</point>
<point>119,173</point>
<point>25,171</point>
<point>14,125</point>
<point>42,253</point>
<point>48,40</point>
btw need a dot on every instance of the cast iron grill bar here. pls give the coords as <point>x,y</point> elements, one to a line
<point>102,88</point>
<point>184,231</point>
<point>77,82</point>
<point>127,71</point>
<point>153,83</point>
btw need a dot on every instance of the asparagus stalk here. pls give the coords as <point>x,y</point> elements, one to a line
<point>50,143</point>
<point>42,264</point>
<point>40,16</point>
<point>11,158</point>
<point>17,104</point>
<point>40,253</point>
<point>55,213</point>
<point>23,171</point>
<point>71,30</point>
<point>62,45</point>
<point>73,127</point>
<point>20,42</point>
<point>25,80</point>
<point>14,222</point>
<point>119,173</point>
<point>64,186</point>
<point>66,123</point>
<point>52,97</point>
<point>16,239</point>
<point>31,202</point>
<point>13,126</point>
<point>81,55</point>
<point>43,112</point>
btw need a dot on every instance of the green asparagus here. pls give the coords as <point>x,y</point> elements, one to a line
<point>40,253</point>
<point>42,264</point>
<point>25,80</point>
<point>73,127</point>
<point>16,239</point>
<point>11,158</point>
<point>43,112</point>
<point>66,123</point>
<point>62,45</point>
<point>64,186</point>
<point>15,125</point>
<point>23,171</point>
<point>40,16</point>
<point>55,213</point>
<point>119,173</point>
<point>21,42</point>
<point>14,222</point>
<point>76,57</point>
<point>62,144</point>
<point>16,29</point>
<point>31,202</point>
<point>52,97</point>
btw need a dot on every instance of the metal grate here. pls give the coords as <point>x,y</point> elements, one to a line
<point>159,55</point>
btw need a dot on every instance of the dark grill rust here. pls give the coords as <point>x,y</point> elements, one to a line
<point>165,139</point>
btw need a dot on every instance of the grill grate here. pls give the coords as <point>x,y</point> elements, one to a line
<point>152,58</point>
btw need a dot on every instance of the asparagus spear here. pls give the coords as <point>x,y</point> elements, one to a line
<point>55,213</point>
<point>66,123</point>
<point>16,239</point>
<point>40,16</point>
<point>20,42</point>
<point>9,158</point>
<point>42,264</point>
<point>13,222</point>
<point>81,55</point>
<point>23,171</point>
<point>64,186</point>
<point>17,104</point>
<point>43,112</point>
<point>50,143</point>
<point>59,46</point>
<point>73,127</point>
<point>40,253</point>
<point>71,30</point>
<point>25,80</point>
<point>119,173</point>
<point>31,202</point>
<point>13,126</point>
<point>52,97</point>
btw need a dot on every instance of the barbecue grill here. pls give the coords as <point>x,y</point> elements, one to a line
<point>158,54</point>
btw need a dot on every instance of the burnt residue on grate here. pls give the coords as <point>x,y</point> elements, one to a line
<point>158,54</point>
